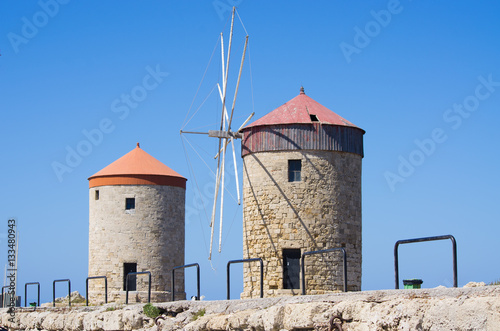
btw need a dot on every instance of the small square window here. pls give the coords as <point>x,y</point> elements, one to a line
<point>294,169</point>
<point>314,118</point>
<point>129,203</point>
<point>97,194</point>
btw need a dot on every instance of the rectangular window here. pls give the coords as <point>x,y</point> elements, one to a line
<point>291,268</point>
<point>132,284</point>
<point>129,203</point>
<point>294,169</point>
<point>97,194</point>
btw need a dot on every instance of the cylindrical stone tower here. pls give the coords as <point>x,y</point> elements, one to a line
<point>301,193</point>
<point>136,223</point>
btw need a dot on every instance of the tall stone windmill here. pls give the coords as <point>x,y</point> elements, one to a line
<point>301,192</point>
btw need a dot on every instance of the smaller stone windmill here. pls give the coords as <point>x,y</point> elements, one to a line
<point>136,223</point>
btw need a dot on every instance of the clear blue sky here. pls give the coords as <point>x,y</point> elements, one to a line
<point>422,78</point>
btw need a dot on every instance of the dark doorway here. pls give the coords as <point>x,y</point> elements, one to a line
<point>128,268</point>
<point>291,268</point>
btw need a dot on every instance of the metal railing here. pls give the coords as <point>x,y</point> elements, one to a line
<point>87,288</point>
<point>26,291</point>
<point>197,279</point>
<point>344,257</point>
<point>396,272</point>
<point>242,261</point>
<point>408,241</point>
<point>54,291</point>
<point>138,273</point>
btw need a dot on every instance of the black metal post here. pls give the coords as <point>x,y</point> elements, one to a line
<point>242,261</point>
<point>87,288</point>
<point>26,289</point>
<point>408,241</point>
<point>138,273</point>
<point>3,295</point>
<point>197,279</point>
<point>54,291</point>
<point>344,258</point>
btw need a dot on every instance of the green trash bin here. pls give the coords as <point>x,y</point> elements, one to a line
<point>412,283</point>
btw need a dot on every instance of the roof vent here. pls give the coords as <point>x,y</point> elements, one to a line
<point>314,118</point>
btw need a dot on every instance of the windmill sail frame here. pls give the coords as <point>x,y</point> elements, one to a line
<point>225,135</point>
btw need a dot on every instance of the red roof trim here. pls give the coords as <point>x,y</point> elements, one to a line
<point>138,180</point>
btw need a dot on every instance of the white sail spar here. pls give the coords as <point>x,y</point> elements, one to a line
<point>225,134</point>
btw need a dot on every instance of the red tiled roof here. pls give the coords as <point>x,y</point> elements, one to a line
<point>298,111</point>
<point>137,168</point>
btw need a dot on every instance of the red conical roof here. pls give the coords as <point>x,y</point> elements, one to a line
<point>298,111</point>
<point>137,168</point>
<point>302,124</point>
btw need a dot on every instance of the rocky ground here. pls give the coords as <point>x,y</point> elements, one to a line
<point>471,308</point>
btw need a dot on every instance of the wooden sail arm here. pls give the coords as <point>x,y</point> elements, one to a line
<point>224,134</point>
<point>238,83</point>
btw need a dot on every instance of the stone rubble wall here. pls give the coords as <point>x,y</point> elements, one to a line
<point>321,211</point>
<point>454,309</point>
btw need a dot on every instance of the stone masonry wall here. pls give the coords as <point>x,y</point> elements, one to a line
<point>151,235</point>
<point>321,211</point>
<point>476,308</point>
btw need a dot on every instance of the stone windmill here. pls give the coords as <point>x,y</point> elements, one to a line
<point>136,223</point>
<point>301,192</point>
